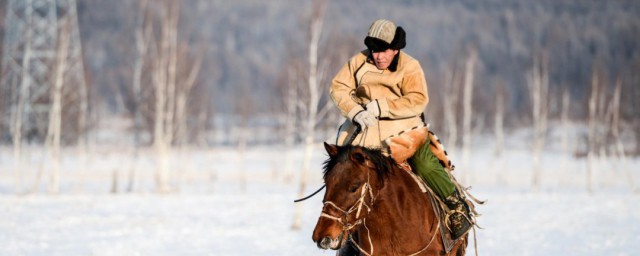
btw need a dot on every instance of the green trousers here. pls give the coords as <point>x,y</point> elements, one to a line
<point>428,167</point>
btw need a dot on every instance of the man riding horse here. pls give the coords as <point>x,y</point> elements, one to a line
<point>382,92</point>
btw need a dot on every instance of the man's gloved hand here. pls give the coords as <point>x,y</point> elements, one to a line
<point>373,107</point>
<point>365,119</point>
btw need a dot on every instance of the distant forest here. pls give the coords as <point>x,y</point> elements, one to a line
<point>248,48</point>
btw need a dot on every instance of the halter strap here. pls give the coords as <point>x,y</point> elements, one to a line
<point>357,207</point>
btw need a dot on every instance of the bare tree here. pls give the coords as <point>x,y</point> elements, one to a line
<point>159,140</point>
<point>614,108</point>
<point>189,74</point>
<point>171,40</point>
<point>564,119</point>
<point>21,111</point>
<point>499,130</point>
<point>315,29</point>
<point>55,116</point>
<point>165,67</point>
<point>184,91</point>
<point>467,104</point>
<point>77,83</point>
<point>538,85</point>
<point>165,72</point>
<point>450,102</point>
<point>243,106</point>
<point>594,127</point>
<point>499,119</point>
<point>142,37</point>
<point>291,119</point>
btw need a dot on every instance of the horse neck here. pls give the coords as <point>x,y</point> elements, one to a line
<point>401,196</point>
<point>401,212</point>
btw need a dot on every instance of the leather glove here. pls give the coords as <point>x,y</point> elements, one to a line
<point>373,107</point>
<point>365,119</point>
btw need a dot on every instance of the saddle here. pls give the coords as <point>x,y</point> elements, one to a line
<point>405,144</point>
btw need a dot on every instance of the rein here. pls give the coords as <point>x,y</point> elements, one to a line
<point>349,141</point>
<point>309,196</point>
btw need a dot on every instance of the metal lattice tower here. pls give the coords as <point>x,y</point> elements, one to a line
<point>33,28</point>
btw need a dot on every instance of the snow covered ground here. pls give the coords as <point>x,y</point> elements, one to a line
<point>259,224</point>
<point>211,214</point>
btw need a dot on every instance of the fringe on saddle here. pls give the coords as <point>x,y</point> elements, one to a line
<point>404,145</point>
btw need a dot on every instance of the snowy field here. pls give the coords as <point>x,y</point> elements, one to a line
<point>212,213</point>
<point>258,224</point>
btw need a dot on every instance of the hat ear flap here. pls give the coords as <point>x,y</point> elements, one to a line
<point>376,44</point>
<point>399,39</point>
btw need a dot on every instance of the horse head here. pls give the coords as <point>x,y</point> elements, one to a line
<point>352,175</point>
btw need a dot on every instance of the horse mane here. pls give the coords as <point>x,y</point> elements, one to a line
<point>383,164</point>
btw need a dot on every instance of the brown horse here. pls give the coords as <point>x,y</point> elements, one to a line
<point>368,194</point>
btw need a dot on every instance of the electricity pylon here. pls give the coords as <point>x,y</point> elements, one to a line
<point>32,31</point>
<point>33,60</point>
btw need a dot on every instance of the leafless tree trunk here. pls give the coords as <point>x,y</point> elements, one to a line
<point>450,101</point>
<point>601,122</point>
<point>114,181</point>
<point>538,84</point>
<point>181,110</point>
<point>21,112</point>
<point>317,22</point>
<point>564,116</point>
<point>242,152</point>
<point>291,101</point>
<point>499,131</point>
<point>165,80</point>
<point>142,35</point>
<point>603,118</point>
<point>171,26</point>
<point>183,95</point>
<point>499,120</point>
<point>244,107</point>
<point>160,80</point>
<point>615,130</point>
<point>593,115</point>
<point>161,145</point>
<point>83,129</point>
<point>75,47</point>
<point>55,116</point>
<point>467,116</point>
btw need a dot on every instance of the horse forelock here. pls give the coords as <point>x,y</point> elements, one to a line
<point>383,164</point>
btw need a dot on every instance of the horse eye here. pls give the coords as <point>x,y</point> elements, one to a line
<point>354,188</point>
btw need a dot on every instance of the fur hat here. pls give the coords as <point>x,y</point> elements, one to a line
<point>384,34</point>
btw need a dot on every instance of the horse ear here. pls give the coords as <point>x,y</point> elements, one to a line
<point>331,149</point>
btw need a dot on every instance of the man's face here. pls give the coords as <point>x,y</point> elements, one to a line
<point>384,58</point>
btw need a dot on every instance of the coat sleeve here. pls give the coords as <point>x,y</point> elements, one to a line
<point>343,88</point>
<point>414,97</point>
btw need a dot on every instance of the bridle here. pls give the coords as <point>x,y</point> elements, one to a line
<point>357,206</point>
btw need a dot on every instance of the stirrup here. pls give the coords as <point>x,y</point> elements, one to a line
<point>459,211</point>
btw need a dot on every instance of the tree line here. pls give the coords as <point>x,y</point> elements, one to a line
<point>182,70</point>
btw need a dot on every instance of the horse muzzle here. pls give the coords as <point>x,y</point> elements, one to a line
<point>329,243</point>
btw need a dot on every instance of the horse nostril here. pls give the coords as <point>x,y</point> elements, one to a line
<point>324,243</point>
